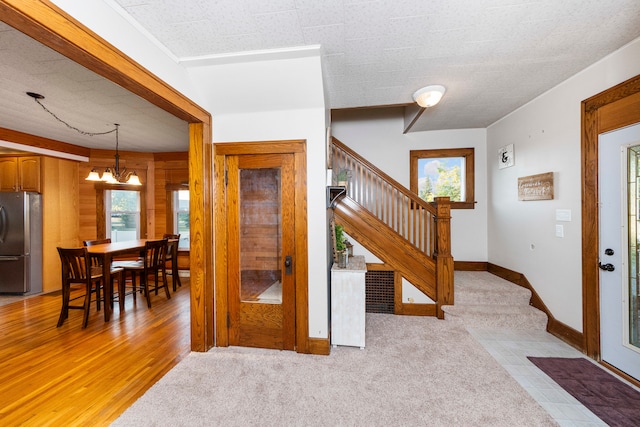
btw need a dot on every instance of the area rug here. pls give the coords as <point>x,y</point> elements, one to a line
<point>613,401</point>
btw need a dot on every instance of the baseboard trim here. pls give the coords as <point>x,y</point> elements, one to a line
<point>470,265</point>
<point>415,309</point>
<point>554,326</point>
<point>319,346</point>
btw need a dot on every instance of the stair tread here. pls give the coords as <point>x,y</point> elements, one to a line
<point>483,300</point>
<point>491,309</point>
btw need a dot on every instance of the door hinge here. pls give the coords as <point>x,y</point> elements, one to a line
<point>226,177</point>
<point>228,320</point>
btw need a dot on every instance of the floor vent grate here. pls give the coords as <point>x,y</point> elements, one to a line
<point>379,291</point>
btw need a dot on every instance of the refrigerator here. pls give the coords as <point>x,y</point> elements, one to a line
<point>20,242</point>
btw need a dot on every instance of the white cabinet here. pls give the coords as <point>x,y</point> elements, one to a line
<point>348,303</point>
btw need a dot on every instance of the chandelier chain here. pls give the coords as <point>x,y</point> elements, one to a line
<point>80,131</point>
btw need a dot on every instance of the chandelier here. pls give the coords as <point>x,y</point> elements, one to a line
<point>117,175</point>
<point>110,176</point>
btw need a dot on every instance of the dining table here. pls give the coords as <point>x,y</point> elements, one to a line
<point>105,253</point>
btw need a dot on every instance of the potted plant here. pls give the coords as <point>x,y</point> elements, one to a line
<point>342,177</point>
<point>341,248</point>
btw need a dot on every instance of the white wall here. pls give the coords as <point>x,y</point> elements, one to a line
<point>378,137</point>
<point>288,83</point>
<point>546,138</point>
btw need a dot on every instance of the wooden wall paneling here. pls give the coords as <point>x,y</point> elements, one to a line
<point>87,204</point>
<point>159,200</point>
<point>60,224</point>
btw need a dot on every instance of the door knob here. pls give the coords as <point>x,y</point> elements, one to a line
<point>606,267</point>
<point>288,263</point>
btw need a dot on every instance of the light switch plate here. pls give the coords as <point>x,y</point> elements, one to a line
<point>559,230</point>
<point>563,214</point>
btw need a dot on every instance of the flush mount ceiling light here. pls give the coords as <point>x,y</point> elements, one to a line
<point>429,96</point>
<point>115,176</point>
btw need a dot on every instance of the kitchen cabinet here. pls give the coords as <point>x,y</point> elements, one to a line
<point>20,173</point>
<point>348,305</point>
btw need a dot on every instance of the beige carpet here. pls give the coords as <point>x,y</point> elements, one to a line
<point>413,371</point>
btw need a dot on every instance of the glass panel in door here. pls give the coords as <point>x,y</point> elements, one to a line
<point>634,255</point>
<point>260,236</point>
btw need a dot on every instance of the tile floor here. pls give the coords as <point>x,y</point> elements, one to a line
<point>511,348</point>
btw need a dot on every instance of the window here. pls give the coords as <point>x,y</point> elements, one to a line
<point>444,172</point>
<point>122,215</point>
<point>181,217</point>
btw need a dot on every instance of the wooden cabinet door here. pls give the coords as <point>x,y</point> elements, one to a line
<point>29,173</point>
<point>8,173</point>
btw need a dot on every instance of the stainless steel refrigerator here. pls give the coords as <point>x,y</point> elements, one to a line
<point>20,242</point>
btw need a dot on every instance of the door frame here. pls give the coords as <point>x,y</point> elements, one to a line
<point>611,109</point>
<point>299,150</point>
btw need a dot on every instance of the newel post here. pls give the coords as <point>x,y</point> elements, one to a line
<point>444,260</point>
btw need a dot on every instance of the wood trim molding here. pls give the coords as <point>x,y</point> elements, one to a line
<point>470,265</point>
<point>417,309</point>
<point>319,346</point>
<point>611,109</point>
<point>50,25</point>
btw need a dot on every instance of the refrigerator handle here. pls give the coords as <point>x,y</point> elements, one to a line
<point>3,224</point>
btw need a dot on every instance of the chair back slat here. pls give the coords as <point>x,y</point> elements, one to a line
<point>155,253</point>
<point>74,263</point>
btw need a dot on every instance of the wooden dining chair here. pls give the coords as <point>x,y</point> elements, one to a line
<point>116,269</point>
<point>153,265</point>
<point>77,273</point>
<point>172,259</point>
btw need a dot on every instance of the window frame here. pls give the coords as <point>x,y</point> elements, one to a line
<point>469,183</point>
<point>109,213</point>
<point>101,207</point>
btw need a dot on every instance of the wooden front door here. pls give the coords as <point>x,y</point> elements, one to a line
<point>261,248</point>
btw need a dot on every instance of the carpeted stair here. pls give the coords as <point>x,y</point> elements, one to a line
<point>486,301</point>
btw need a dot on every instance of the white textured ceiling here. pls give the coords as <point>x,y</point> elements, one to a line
<point>492,55</point>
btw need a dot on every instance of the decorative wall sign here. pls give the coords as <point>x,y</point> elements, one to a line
<point>505,156</point>
<point>536,187</point>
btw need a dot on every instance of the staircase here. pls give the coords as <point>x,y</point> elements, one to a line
<point>411,236</point>
<point>486,301</point>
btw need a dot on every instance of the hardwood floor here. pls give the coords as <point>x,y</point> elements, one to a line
<point>72,376</point>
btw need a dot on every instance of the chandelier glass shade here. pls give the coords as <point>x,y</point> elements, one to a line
<point>115,175</point>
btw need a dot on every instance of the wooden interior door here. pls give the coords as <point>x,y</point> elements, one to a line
<point>261,247</point>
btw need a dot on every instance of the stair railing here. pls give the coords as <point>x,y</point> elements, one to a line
<point>424,225</point>
<point>388,200</point>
